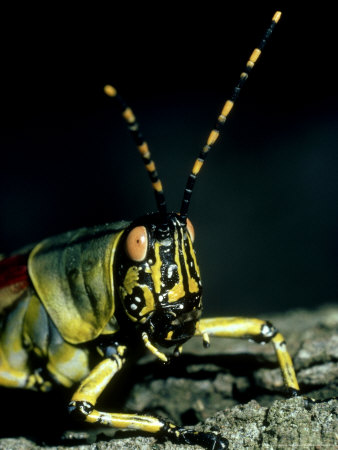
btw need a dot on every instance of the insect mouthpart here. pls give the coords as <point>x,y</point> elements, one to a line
<point>168,328</point>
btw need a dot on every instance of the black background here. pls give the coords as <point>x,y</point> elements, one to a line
<point>265,205</point>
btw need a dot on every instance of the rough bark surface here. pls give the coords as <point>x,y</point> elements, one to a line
<point>234,387</point>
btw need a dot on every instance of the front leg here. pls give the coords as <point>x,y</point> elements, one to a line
<point>84,399</point>
<point>259,331</point>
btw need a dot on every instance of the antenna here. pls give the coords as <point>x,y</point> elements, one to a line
<point>142,146</point>
<point>228,105</point>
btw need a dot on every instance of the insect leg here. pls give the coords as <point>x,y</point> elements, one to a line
<point>84,399</point>
<point>258,330</point>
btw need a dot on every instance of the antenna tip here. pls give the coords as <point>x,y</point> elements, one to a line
<point>110,90</point>
<point>276,16</point>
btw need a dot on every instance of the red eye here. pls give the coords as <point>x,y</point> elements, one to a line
<point>137,244</point>
<point>191,230</point>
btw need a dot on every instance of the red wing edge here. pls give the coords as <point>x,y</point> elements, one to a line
<point>14,279</point>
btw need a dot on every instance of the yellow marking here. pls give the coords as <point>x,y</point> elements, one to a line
<point>158,186</point>
<point>149,299</point>
<point>155,351</point>
<point>144,149</point>
<point>151,166</point>
<point>243,75</point>
<point>276,16</point>
<point>131,279</point>
<point>197,166</point>
<point>176,293</point>
<point>100,351</point>
<point>206,338</point>
<point>36,381</point>
<point>278,339</point>
<point>128,115</point>
<point>193,286</point>
<point>110,90</point>
<point>121,349</point>
<point>38,351</point>
<point>156,269</point>
<point>213,137</point>
<point>197,329</point>
<point>169,335</point>
<point>221,118</point>
<point>227,107</point>
<point>193,255</point>
<point>128,421</point>
<point>123,292</point>
<point>254,56</point>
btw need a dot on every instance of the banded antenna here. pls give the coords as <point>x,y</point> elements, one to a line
<point>142,146</point>
<point>213,136</point>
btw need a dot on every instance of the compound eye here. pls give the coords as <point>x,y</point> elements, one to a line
<point>191,230</point>
<point>137,244</point>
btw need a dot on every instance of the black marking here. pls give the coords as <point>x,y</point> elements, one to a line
<point>79,410</point>
<point>267,332</point>
<point>136,134</point>
<point>292,392</point>
<point>206,344</point>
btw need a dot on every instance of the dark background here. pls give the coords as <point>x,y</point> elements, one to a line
<point>265,205</point>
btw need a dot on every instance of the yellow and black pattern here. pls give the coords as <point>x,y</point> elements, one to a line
<point>142,146</point>
<point>163,286</point>
<point>214,134</point>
